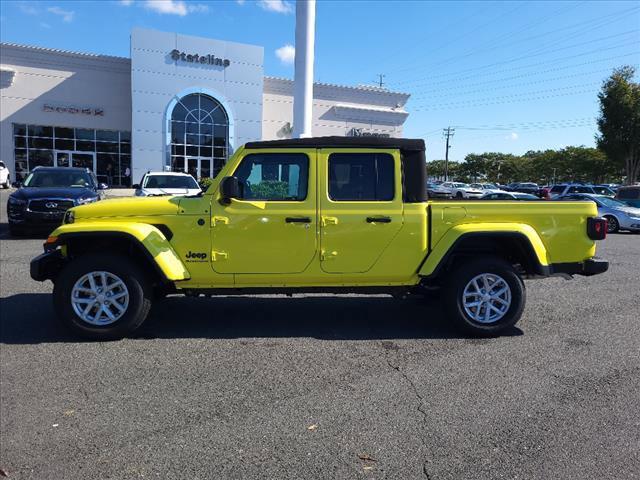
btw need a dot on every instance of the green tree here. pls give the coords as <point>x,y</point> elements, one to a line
<point>619,121</point>
<point>435,169</point>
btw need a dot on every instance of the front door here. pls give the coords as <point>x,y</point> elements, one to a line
<point>84,160</point>
<point>361,207</point>
<point>272,227</point>
<point>198,167</point>
<point>76,159</point>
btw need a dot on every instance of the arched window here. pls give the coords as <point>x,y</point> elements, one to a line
<point>199,136</point>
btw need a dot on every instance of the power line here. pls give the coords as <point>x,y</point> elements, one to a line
<point>484,67</point>
<point>597,23</point>
<point>452,105</point>
<point>458,92</point>
<point>527,74</point>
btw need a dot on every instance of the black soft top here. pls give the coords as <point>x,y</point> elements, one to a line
<point>412,151</point>
<point>405,144</point>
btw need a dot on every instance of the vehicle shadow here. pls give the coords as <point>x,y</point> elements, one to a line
<point>35,235</point>
<point>29,319</point>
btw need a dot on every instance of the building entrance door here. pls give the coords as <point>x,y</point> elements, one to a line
<point>76,159</point>
<point>198,167</point>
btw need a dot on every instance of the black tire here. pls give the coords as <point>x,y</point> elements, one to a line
<point>461,276</point>
<point>138,286</point>
<point>613,226</point>
<point>459,196</point>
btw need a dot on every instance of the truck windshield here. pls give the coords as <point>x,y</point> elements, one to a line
<point>169,181</point>
<point>58,179</point>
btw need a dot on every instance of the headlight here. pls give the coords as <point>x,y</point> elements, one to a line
<point>17,201</point>
<point>69,217</point>
<point>82,201</point>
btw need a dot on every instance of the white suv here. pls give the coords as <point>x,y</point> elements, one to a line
<point>461,190</point>
<point>5,176</point>
<point>167,183</point>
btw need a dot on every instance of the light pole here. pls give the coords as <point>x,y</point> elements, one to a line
<point>303,76</point>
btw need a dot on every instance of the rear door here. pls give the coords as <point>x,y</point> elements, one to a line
<point>361,207</point>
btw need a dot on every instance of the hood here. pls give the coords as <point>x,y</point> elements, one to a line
<point>31,193</point>
<point>129,207</point>
<point>170,191</point>
<point>634,212</point>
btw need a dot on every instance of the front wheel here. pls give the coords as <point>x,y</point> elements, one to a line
<point>102,297</point>
<point>484,297</point>
<point>459,195</point>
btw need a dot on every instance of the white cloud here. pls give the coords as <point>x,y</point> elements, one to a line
<point>512,136</point>
<point>29,9</point>
<point>67,15</point>
<point>240,2</point>
<point>45,25</point>
<point>278,6</point>
<point>126,3</point>
<point>175,7</point>
<point>286,54</point>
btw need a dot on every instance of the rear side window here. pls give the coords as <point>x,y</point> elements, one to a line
<point>557,189</point>
<point>274,176</point>
<point>361,177</point>
<point>629,193</point>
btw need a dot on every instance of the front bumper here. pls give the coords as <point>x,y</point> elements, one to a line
<point>46,265</point>
<point>592,266</point>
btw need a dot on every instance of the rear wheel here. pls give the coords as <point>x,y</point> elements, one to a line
<point>102,297</point>
<point>612,224</point>
<point>484,297</point>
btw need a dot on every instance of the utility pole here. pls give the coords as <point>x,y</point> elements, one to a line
<point>448,133</point>
<point>381,80</point>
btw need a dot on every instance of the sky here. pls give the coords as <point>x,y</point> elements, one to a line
<point>507,76</point>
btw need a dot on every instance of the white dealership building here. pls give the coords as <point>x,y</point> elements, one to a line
<point>179,102</point>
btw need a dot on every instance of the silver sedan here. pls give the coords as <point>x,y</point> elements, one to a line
<point>619,215</point>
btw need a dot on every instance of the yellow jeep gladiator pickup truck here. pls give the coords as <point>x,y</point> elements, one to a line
<point>326,214</point>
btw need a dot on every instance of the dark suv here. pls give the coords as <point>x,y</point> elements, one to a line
<point>47,193</point>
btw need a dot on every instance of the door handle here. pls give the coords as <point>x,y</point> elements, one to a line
<point>329,221</point>
<point>298,220</point>
<point>378,219</point>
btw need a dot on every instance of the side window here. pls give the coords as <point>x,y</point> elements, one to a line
<point>584,189</point>
<point>361,177</point>
<point>629,193</point>
<point>557,189</point>
<point>274,176</point>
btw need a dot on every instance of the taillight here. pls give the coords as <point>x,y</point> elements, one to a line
<point>597,228</point>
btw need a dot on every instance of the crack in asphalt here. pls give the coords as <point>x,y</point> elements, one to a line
<point>420,408</point>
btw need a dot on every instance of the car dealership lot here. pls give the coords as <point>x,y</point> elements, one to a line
<point>325,387</point>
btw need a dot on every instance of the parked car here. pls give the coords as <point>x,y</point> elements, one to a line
<point>619,215</point>
<point>5,176</point>
<point>603,190</point>
<point>509,196</point>
<point>629,195</point>
<point>435,190</point>
<point>524,187</point>
<point>486,187</point>
<point>355,225</point>
<point>461,190</point>
<point>39,204</point>
<point>568,188</point>
<point>167,183</point>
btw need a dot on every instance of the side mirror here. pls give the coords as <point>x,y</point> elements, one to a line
<point>229,188</point>
<point>102,186</point>
<point>136,186</point>
<point>16,184</point>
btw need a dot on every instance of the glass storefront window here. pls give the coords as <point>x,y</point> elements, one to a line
<point>199,124</point>
<point>38,145</point>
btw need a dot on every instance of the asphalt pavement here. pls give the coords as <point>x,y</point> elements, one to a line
<point>321,387</point>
